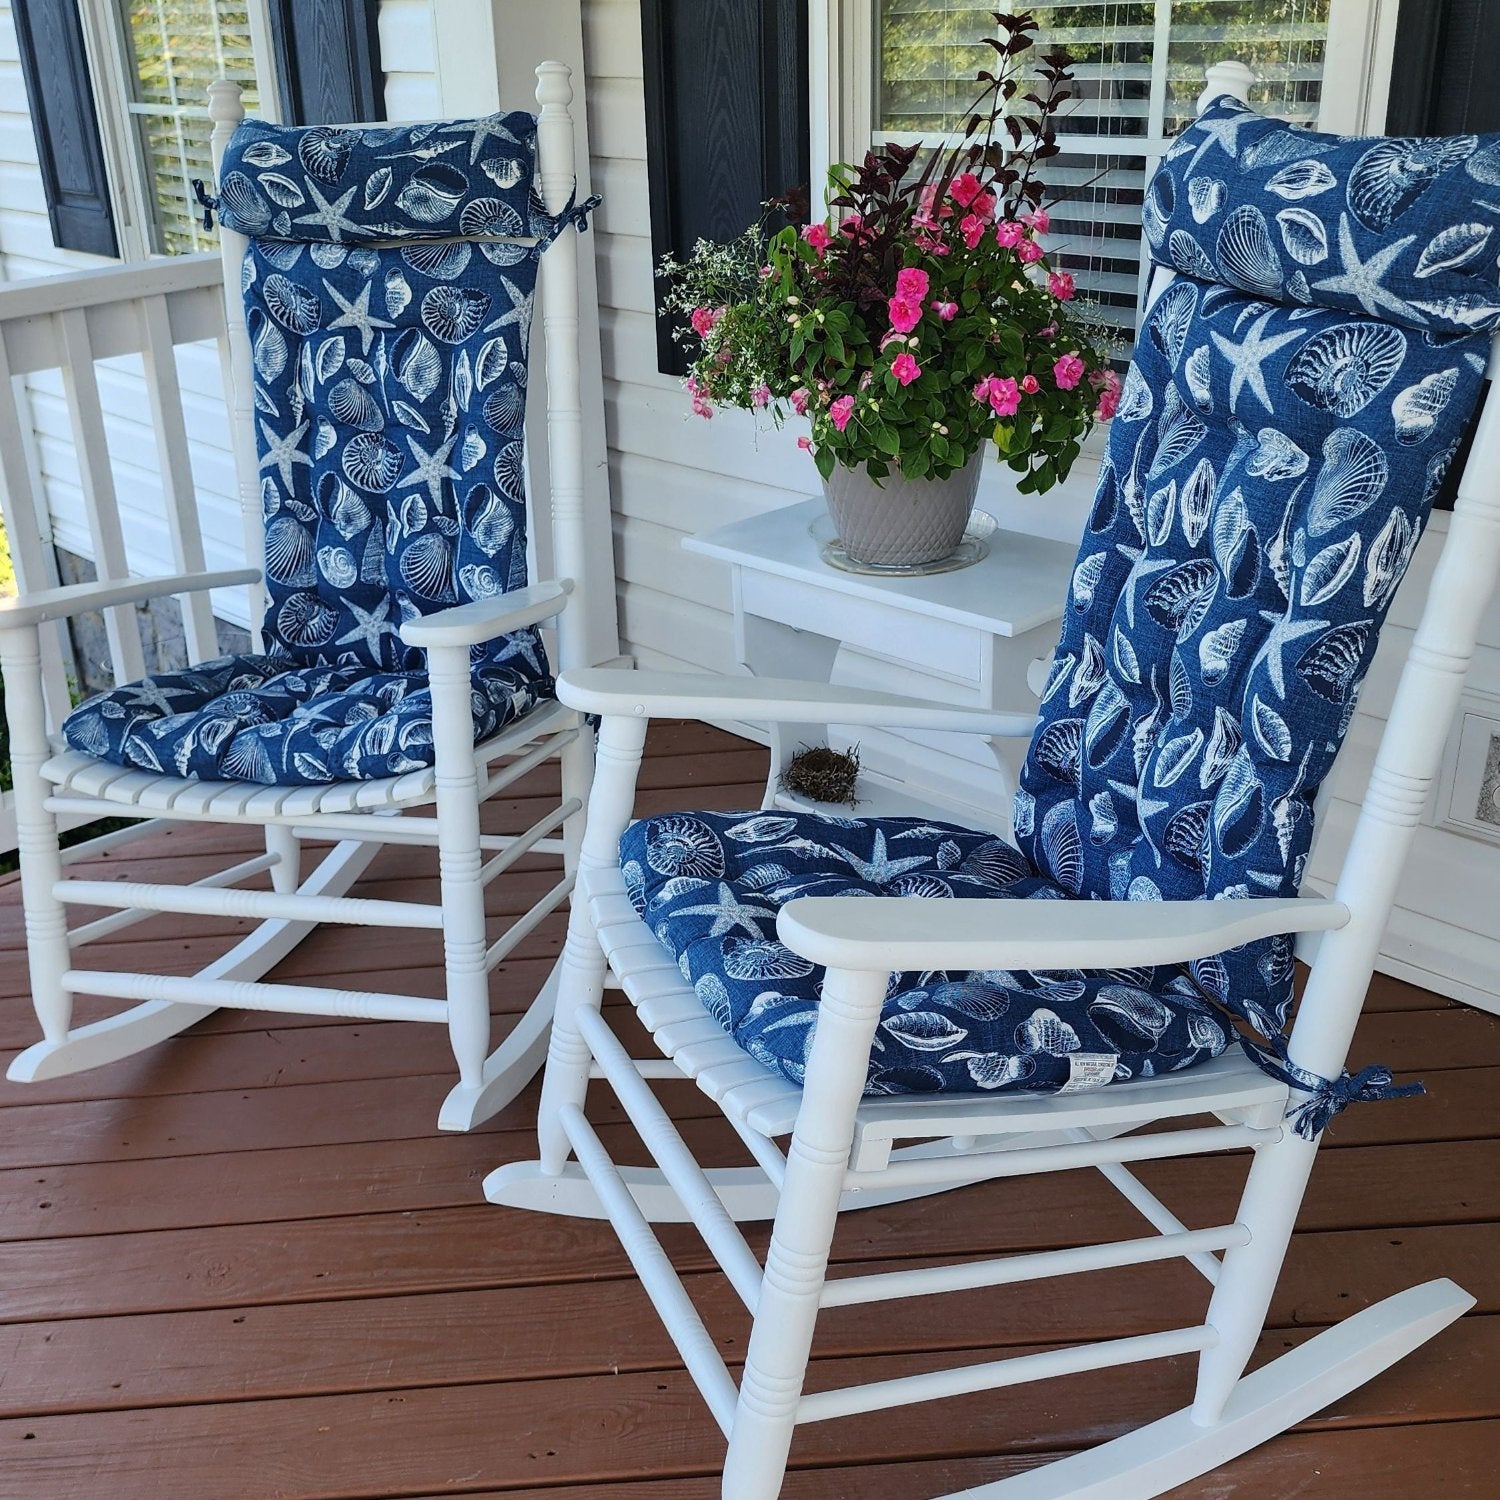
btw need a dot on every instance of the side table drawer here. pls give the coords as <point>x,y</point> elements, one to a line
<point>884,627</point>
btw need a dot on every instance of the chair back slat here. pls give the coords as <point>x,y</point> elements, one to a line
<point>96,481</point>
<point>179,496</point>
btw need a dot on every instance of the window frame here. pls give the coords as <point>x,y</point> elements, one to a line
<point>843,61</point>
<point>110,66</point>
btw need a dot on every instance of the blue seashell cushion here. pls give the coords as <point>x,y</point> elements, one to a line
<point>389,324</point>
<point>1295,398</point>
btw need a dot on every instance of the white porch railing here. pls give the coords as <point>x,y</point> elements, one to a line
<point>68,324</point>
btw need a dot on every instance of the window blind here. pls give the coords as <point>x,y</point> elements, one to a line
<point>1138,71</point>
<point>177,48</point>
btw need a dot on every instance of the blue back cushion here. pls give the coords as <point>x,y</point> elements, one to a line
<point>389,330</point>
<point>1268,477</point>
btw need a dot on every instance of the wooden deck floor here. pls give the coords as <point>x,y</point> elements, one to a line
<point>247,1265</point>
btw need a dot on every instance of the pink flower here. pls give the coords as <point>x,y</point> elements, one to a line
<point>1049,332</point>
<point>947,311</point>
<point>928,205</point>
<point>852,226</point>
<point>1041,220</point>
<point>761,395</point>
<point>893,337</point>
<point>972,227</point>
<point>701,408</point>
<point>818,237</point>
<point>805,444</point>
<point>984,206</point>
<point>1005,396</point>
<point>1067,372</point>
<point>799,399</point>
<point>905,313</point>
<point>964,189</point>
<point>905,368</point>
<point>865,379</point>
<point>766,273</point>
<point>1060,284</point>
<point>911,284</point>
<point>1030,384</point>
<point>1109,402</point>
<point>1009,234</point>
<point>704,318</point>
<point>1028,252</point>
<point>841,411</point>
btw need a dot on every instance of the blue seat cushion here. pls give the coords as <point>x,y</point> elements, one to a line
<point>266,719</point>
<point>709,886</point>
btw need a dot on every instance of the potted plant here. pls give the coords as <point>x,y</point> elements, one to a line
<point>916,326</point>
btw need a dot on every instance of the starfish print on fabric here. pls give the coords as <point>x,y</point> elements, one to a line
<point>730,913</point>
<point>880,868</point>
<point>1362,279</point>
<point>519,314</point>
<point>479,131</point>
<point>284,453</point>
<point>151,693</point>
<point>432,468</point>
<point>369,630</point>
<point>357,315</point>
<point>1224,133</point>
<point>1247,359</point>
<point>1284,632</point>
<point>329,215</point>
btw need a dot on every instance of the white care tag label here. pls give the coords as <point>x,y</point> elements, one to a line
<point>1088,1070</point>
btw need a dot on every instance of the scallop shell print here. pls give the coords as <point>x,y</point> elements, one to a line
<point>1170,318</point>
<point>451,313</point>
<point>427,566</point>
<point>1331,665</point>
<point>1245,253</point>
<point>442,260</point>
<point>350,403</point>
<point>238,197</point>
<point>289,553</point>
<point>1206,196</point>
<point>1062,853</point>
<point>1393,174</point>
<point>1353,473</point>
<point>1344,368</point>
<point>1188,255</point>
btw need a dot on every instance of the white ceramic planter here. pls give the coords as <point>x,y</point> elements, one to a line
<point>900,522</point>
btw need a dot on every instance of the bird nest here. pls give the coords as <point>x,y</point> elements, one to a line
<point>823,774</point>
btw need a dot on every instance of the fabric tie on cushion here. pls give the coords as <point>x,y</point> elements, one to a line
<point>1329,1096</point>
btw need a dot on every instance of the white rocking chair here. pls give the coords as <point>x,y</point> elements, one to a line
<point>845,1107</point>
<point>358,816</point>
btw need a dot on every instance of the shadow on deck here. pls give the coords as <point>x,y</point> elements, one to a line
<point>246,1265</point>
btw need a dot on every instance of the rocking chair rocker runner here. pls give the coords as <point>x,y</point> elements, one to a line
<point>1318,337</point>
<point>379,284</point>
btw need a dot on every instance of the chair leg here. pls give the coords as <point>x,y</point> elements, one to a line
<point>47,948</point>
<point>459,862</point>
<point>1237,1311</point>
<point>796,1265</point>
<point>286,873</point>
<point>577,765</point>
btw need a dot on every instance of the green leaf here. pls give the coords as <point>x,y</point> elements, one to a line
<point>1003,432</point>
<point>824,459</point>
<point>888,440</point>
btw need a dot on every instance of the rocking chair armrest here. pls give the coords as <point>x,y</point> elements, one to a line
<point>484,619</point>
<point>907,933</point>
<point>611,691</point>
<point>75,598</point>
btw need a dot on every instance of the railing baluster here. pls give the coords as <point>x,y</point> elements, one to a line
<point>86,415</point>
<point>179,493</point>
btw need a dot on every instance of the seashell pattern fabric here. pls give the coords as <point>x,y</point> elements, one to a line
<point>709,886</point>
<point>1296,396</point>
<point>390,397</point>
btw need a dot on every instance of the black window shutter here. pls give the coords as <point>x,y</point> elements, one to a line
<point>1449,52</point>
<point>66,125</point>
<point>327,61</point>
<point>726,121</point>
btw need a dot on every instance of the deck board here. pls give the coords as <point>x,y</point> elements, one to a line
<point>247,1264</point>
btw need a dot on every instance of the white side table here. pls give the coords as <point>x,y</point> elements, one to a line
<point>969,636</point>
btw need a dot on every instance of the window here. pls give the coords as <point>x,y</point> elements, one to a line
<point>1138,72</point>
<point>176,48</point>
